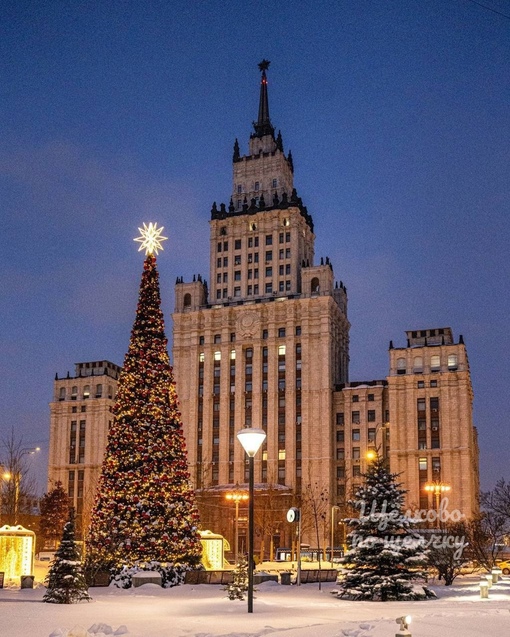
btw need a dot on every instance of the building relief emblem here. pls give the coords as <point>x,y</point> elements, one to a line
<point>248,324</point>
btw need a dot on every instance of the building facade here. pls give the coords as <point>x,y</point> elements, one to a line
<point>80,416</point>
<point>266,344</point>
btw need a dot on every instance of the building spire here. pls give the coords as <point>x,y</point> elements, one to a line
<point>263,124</point>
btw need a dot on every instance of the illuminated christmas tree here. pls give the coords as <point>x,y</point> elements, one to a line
<point>145,509</point>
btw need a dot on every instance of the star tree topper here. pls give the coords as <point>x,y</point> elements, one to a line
<point>150,238</point>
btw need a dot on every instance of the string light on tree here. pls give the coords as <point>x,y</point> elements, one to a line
<point>150,238</point>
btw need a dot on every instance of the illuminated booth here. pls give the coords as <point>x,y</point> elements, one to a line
<point>17,547</point>
<point>213,550</point>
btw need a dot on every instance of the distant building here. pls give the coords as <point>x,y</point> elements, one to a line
<point>80,416</point>
<point>266,344</point>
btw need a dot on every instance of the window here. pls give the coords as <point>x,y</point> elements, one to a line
<point>201,340</point>
<point>370,398</point>
<point>257,185</point>
<point>239,189</point>
<point>433,383</point>
<point>287,237</point>
<point>281,254</point>
<point>265,334</point>
<point>99,390</point>
<point>287,253</point>
<point>340,453</point>
<point>356,471</point>
<point>218,278</point>
<point>435,363</point>
<point>217,356</point>
<point>356,453</point>
<point>281,332</point>
<point>225,246</point>
<point>281,350</point>
<point>250,242</point>
<point>237,244</point>
<point>256,273</point>
<point>62,394</point>
<point>355,398</point>
<point>340,473</point>
<point>287,269</point>
<point>298,330</point>
<point>237,275</point>
<point>418,365</point>
<point>452,362</point>
<point>340,436</point>
<point>232,355</point>
<point>218,294</point>
<point>281,286</point>
<point>237,259</point>
<point>74,392</point>
<point>218,263</point>
<point>225,262</point>
<point>274,183</point>
<point>269,288</point>
<point>256,257</point>
<point>232,337</point>
<point>371,415</point>
<point>219,247</point>
<point>355,417</point>
<point>255,290</point>
<point>269,255</point>
<point>225,277</point>
<point>356,436</point>
<point>237,291</point>
<point>217,338</point>
<point>401,365</point>
<point>421,384</point>
<point>269,239</point>
<point>371,434</point>
<point>256,239</point>
<point>422,464</point>
<point>249,290</point>
<point>340,420</point>
<point>281,270</point>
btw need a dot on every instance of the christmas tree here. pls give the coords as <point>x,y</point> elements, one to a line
<point>65,580</point>
<point>54,507</point>
<point>238,587</point>
<point>145,509</point>
<point>385,552</point>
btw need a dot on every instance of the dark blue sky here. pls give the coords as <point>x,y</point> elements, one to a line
<point>115,113</point>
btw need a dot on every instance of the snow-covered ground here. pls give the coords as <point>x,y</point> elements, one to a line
<point>286,611</point>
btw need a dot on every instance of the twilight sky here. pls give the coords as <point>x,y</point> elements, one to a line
<point>119,112</point>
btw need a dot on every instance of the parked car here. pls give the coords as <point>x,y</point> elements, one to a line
<point>504,565</point>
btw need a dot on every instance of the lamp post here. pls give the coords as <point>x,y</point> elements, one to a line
<point>334,508</point>
<point>237,496</point>
<point>251,440</point>
<point>437,488</point>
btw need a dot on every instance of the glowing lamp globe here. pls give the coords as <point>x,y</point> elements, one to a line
<point>251,440</point>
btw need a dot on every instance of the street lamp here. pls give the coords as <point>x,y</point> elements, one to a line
<point>251,440</point>
<point>237,496</point>
<point>437,488</point>
<point>334,508</point>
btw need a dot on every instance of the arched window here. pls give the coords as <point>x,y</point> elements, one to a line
<point>86,392</point>
<point>418,365</point>
<point>435,363</point>
<point>453,362</point>
<point>62,395</point>
<point>74,392</point>
<point>187,300</point>
<point>99,390</point>
<point>314,288</point>
<point>401,365</point>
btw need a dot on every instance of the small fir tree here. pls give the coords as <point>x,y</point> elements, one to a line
<point>385,553</point>
<point>65,580</point>
<point>145,508</point>
<point>54,507</point>
<point>239,586</point>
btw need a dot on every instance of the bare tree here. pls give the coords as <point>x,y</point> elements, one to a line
<point>486,537</point>
<point>447,551</point>
<point>19,489</point>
